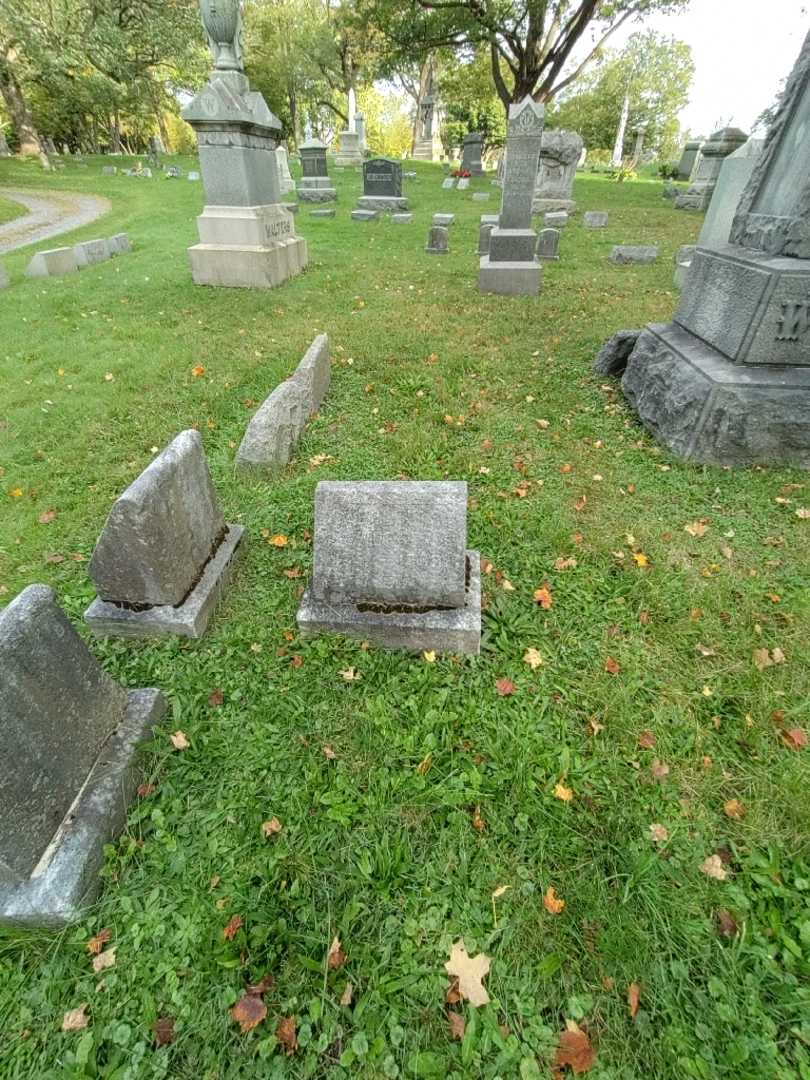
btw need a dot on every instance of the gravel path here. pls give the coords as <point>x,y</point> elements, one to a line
<point>50,213</point>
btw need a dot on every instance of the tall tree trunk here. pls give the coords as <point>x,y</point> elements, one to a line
<point>292,101</point>
<point>618,146</point>
<point>424,84</point>
<point>17,106</point>
<point>115,133</point>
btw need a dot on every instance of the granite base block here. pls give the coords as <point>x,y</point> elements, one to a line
<point>317,195</point>
<point>247,266</point>
<point>509,278</point>
<point>455,630</point>
<point>365,215</point>
<point>545,206</point>
<point>189,619</point>
<point>712,411</point>
<point>382,202</point>
<point>66,878</point>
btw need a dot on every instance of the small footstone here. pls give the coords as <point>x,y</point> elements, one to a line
<point>634,253</point>
<point>490,219</point>
<point>193,175</point>
<point>91,251</point>
<point>119,244</point>
<point>448,183</point>
<point>68,737</point>
<point>365,215</point>
<point>109,170</point>
<point>438,241</point>
<point>556,219</point>
<point>402,219</point>
<point>52,263</point>
<point>463,183</point>
<point>409,176</point>
<point>480,196</point>
<point>595,219</point>
<point>548,245</point>
<point>328,213</point>
<point>612,357</point>
<point>444,219</point>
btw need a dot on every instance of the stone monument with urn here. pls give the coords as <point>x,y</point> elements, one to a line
<point>247,238</point>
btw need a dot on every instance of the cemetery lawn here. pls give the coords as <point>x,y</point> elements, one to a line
<point>636,746</point>
<point>10,210</point>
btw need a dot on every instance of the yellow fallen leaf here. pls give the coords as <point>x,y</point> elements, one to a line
<point>562,792</point>
<point>713,867</point>
<point>351,675</point>
<point>76,1019</point>
<point>197,371</point>
<point>429,656</point>
<point>179,741</point>
<point>16,493</point>
<point>469,970</point>
<point>697,528</point>
<point>104,960</point>
<point>640,559</point>
<point>734,809</point>
<point>533,658</point>
<point>272,827</point>
<point>279,540</point>
<point>551,902</point>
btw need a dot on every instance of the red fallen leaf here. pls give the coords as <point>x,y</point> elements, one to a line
<point>233,927</point>
<point>452,997</point>
<point>612,666</point>
<point>97,943</point>
<point>286,1034</point>
<point>542,596</point>
<point>646,740</point>
<point>163,1030</point>
<point>505,687</point>
<point>457,1025</point>
<point>296,661</point>
<point>726,924</point>
<point>336,957</point>
<point>633,994</point>
<point>248,1012</point>
<point>575,1050</point>
<point>215,698</point>
<point>47,517</point>
<point>145,790</point>
<point>794,738</point>
<point>478,822</point>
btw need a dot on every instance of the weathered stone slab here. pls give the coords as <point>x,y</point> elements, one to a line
<point>557,166</point>
<point>52,263</point>
<point>382,203</point>
<point>490,219</point>
<point>329,212</point>
<point>390,543</point>
<point>317,194</point>
<point>463,183</point>
<point>735,172</point>
<point>365,215</point>
<point>612,357</point>
<point>119,244</point>
<point>438,240</point>
<point>108,170</point>
<point>402,219</point>
<point>556,219</point>
<point>712,152</point>
<point>483,239</point>
<point>444,219</point>
<point>448,182</point>
<point>509,278</point>
<point>480,196</point>
<point>688,158</point>
<point>91,252</point>
<point>67,739</point>
<point>634,253</point>
<point>314,373</point>
<point>161,531</point>
<point>193,175</point>
<point>548,245</point>
<point>595,219</point>
<point>471,148</point>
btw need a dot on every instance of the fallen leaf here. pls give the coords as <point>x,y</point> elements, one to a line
<point>47,517</point>
<point>469,970</point>
<point>424,764</point>
<point>179,741</point>
<point>351,675</point>
<point>293,573</point>
<point>248,1012</point>
<point>726,923</point>
<point>328,752</point>
<point>109,377</point>
<point>197,371</point>
<point>568,563</point>
<point>336,957</point>
<point>478,821</point>
<point>565,794</point>
<point>145,790</point>
<point>697,528</point>
<point>16,493</point>
<point>215,698</point>
<point>533,658</point>
<point>457,1025</point>
<point>542,596</point>
<point>551,902</point>
<point>803,513</point>
<point>104,960</point>
<point>734,809</point>
<point>641,559</point>
<point>505,687</point>
<point>659,769</point>
<point>659,833</point>
<point>575,1050</point>
<point>163,1030</point>
<point>646,740</point>
<point>429,656</point>
<point>286,1034</point>
<point>794,739</point>
<point>54,558</point>
<point>713,867</point>
<point>76,1019</point>
<point>272,827</point>
<point>279,540</point>
<point>346,996</point>
<point>581,503</point>
<point>97,943</point>
<point>233,928</point>
<point>612,667</point>
<point>633,993</point>
<point>500,891</point>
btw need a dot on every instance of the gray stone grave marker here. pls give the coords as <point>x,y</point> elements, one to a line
<point>315,185</point>
<point>382,186</point>
<point>712,154</point>
<point>557,167</point>
<point>52,263</point>
<point>471,148</point>
<point>595,219</point>
<point>548,245</point>
<point>438,240</point>
<point>634,253</point>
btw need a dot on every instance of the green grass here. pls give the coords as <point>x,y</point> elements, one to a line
<point>373,849</point>
<point>10,210</point>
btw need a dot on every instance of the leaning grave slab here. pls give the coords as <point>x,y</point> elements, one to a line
<point>68,740</point>
<point>165,554</point>
<point>392,566</point>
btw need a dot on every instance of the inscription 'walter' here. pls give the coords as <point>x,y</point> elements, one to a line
<point>794,321</point>
<point>277,229</point>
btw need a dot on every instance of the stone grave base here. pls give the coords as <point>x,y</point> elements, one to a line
<point>442,630</point>
<point>347,160</point>
<point>317,194</point>
<point>692,200</point>
<point>66,877</point>
<point>509,278</point>
<point>382,202</point>
<point>709,410</point>
<point>545,206</point>
<point>189,619</point>
<point>247,247</point>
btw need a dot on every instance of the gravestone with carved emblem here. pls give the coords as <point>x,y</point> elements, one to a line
<point>727,382</point>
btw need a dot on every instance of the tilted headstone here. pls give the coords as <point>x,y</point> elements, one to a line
<point>391,566</point>
<point>438,242</point>
<point>471,147</point>
<point>246,238</point>
<point>688,158</point>
<point>68,735</point>
<point>634,253</point>
<point>548,245</point>
<point>712,153</point>
<point>727,382</point>
<point>90,252</point>
<point>595,219</point>
<point>735,172</point>
<point>165,552</point>
<point>557,167</point>
<point>511,266</point>
<point>315,184</point>
<point>382,186</point>
<point>52,263</point>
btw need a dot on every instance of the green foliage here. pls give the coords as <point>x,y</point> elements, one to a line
<point>388,125</point>
<point>470,100</point>
<point>655,70</point>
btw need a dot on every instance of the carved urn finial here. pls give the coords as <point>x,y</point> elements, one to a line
<point>223,25</point>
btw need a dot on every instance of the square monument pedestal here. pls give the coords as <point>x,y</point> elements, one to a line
<point>510,278</point>
<point>246,247</point>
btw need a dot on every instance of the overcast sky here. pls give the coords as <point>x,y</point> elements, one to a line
<point>742,50</point>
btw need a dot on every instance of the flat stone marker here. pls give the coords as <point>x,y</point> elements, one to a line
<point>402,219</point>
<point>483,239</point>
<point>52,263</point>
<point>480,196</point>
<point>448,182</point>
<point>391,565</point>
<point>329,212</point>
<point>193,175</point>
<point>409,175</point>
<point>109,170</point>
<point>634,253</point>
<point>463,183</point>
<point>438,241</point>
<point>68,735</point>
<point>556,219</point>
<point>91,251</point>
<point>595,219</point>
<point>444,219</point>
<point>548,245</point>
<point>365,215</point>
<point>165,553</point>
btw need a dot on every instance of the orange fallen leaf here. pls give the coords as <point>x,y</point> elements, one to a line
<point>646,740</point>
<point>248,1012</point>
<point>197,371</point>
<point>734,809</point>
<point>233,928</point>
<point>76,1019</point>
<point>505,687</point>
<point>551,902</point>
<point>145,790</point>
<point>336,957</point>
<point>575,1050</point>
<point>279,540</point>
<point>794,739</point>
<point>565,794</point>
<point>542,596</point>
<point>612,667</point>
<point>272,827</point>
<point>633,993</point>
<point>97,943</point>
<point>286,1034</point>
